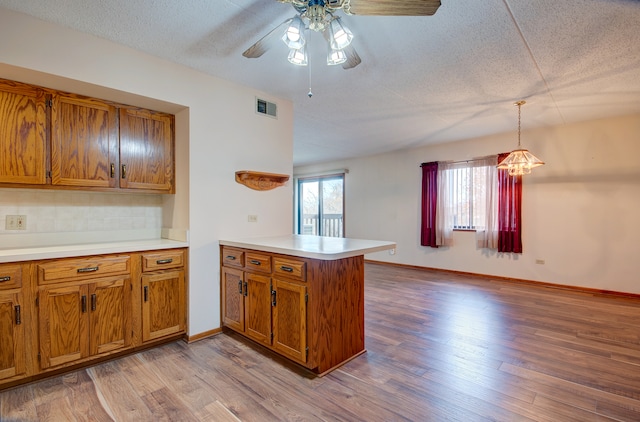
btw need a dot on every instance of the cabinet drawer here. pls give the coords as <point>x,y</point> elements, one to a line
<point>258,262</point>
<point>80,268</point>
<point>290,268</point>
<point>10,276</point>
<point>161,260</point>
<point>232,257</point>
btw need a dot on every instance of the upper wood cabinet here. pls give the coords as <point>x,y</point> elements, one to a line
<point>66,141</point>
<point>22,134</point>
<point>84,142</point>
<point>146,150</point>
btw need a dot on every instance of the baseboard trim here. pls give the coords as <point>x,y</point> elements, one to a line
<point>541,284</point>
<point>203,335</point>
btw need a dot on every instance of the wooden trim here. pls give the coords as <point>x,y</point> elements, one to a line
<point>541,284</point>
<point>257,180</point>
<point>203,335</point>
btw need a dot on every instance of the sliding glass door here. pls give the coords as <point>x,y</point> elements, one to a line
<point>321,206</point>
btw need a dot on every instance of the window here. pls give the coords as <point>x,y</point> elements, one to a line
<point>467,195</point>
<point>321,205</point>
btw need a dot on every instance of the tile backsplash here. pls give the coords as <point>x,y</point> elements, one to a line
<point>69,212</point>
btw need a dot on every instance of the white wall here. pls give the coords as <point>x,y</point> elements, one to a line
<point>217,133</point>
<point>580,210</point>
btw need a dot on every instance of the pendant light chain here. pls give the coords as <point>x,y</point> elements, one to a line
<point>519,104</point>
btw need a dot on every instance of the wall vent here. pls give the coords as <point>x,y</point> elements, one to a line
<point>265,107</point>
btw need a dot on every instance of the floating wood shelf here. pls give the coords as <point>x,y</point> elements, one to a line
<point>257,180</point>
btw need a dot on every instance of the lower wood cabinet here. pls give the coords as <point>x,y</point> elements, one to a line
<point>310,311</point>
<point>266,309</point>
<point>12,344</point>
<point>12,323</point>
<point>82,320</point>
<point>67,312</point>
<point>163,294</point>
<point>163,304</point>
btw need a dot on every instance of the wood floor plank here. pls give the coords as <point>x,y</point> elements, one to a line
<point>440,347</point>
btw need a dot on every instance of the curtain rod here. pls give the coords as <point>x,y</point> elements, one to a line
<point>468,160</point>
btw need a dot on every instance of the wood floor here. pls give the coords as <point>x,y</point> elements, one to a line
<point>440,347</point>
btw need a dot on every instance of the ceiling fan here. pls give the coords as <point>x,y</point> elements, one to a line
<point>320,16</point>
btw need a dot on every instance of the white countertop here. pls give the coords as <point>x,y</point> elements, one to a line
<point>85,249</point>
<point>316,247</point>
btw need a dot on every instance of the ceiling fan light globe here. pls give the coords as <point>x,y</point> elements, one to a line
<point>293,37</point>
<point>339,35</point>
<point>298,56</point>
<point>336,57</point>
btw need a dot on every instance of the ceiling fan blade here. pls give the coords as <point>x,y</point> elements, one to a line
<point>394,7</point>
<point>266,42</point>
<point>353,59</point>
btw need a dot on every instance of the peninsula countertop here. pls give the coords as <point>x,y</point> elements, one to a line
<point>308,246</point>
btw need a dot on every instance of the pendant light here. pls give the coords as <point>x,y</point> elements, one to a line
<point>519,161</point>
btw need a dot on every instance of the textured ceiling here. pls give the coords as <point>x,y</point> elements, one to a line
<point>422,80</point>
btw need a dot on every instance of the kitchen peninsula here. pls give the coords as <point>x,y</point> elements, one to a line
<point>300,296</point>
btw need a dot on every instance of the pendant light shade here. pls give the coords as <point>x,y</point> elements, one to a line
<point>520,161</point>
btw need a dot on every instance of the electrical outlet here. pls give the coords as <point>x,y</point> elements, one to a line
<point>540,261</point>
<point>252,218</point>
<point>392,251</point>
<point>16,222</point>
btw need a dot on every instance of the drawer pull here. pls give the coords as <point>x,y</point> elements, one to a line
<point>164,261</point>
<point>146,293</point>
<point>240,287</point>
<point>246,289</point>
<point>231,257</point>
<point>113,170</point>
<point>273,298</point>
<point>93,302</point>
<point>287,269</point>
<point>18,318</point>
<point>6,278</point>
<point>83,304</point>
<point>255,262</point>
<point>88,269</point>
<point>124,171</point>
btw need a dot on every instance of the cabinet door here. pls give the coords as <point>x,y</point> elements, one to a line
<point>146,150</point>
<point>12,347</point>
<point>84,142</point>
<point>257,305</point>
<point>110,315</point>
<point>233,298</point>
<point>290,320</point>
<point>64,324</point>
<point>163,304</point>
<point>22,134</point>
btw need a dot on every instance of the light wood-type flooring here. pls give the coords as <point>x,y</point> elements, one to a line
<point>441,347</point>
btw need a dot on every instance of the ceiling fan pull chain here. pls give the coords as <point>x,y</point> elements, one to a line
<point>310,94</point>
